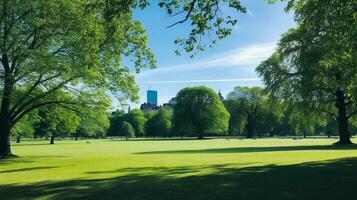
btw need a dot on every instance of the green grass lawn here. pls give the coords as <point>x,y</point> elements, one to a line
<point>181,169</point>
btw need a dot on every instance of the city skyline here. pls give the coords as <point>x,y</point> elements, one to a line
<point>230,63</point>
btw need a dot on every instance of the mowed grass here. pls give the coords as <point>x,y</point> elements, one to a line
<point>181,169</point>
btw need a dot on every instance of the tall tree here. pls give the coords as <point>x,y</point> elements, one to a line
<point>55,122</point>
<point>126,130</point>
<point>160,123</point>
<point>75,47</point>
<point>249,103</point>
<point>93,123</point>
<point>316,63</point>
<point>200,110</point>
<point>115,121</point>
<point>303,121</point>
<point>236,119</point>
<point>137,120</point>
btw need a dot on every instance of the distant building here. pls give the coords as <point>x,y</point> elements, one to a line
<point>151,102</point>
<point>151,97</point>
<point>148,107</point>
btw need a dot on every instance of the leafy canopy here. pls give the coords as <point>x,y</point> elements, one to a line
<point>318,57</point>
<point>68,52</point>
<point>200,109</point>
<point>160,123</point>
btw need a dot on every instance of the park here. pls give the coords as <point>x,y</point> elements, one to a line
<point>178,99</point>
<point>181,169</point>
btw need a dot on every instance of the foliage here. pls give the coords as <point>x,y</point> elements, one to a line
<point>236,120</point>
<point>56,122</point>
<point>25,127</point>
<point>200,110</point>
<point>316,62</point>
<point>126,130</point>
<point>136,119</point>
<point>305,121</point>
<point>249,102</point>
<point>93,124</point>
<point>160,124</point>
<point>94,120</point>
<point>115,121</point>
<point>205,17</point>
<point>66,53</point>
<point>150,114</point>
<point>269,116</point>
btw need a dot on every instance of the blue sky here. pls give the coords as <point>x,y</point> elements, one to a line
<point>230,63</point>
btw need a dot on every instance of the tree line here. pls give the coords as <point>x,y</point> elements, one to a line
<point>56,122</point>
<point>247,112</point>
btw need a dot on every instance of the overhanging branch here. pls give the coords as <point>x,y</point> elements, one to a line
<point>33,87</point>
<point>15,119</point>
<point>192,5</point>
<point>30,102</point>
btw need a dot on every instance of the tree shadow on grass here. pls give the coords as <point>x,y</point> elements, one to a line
<point>168,170</point>
<point>37,144</point>
<point>25,159</point>
<point>158,139</point>
<point>254,149</point>
<point>26,169</point>
<point>328,180</point>
<point>30,144</point>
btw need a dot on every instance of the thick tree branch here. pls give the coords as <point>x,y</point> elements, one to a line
<point>58,50</point>
<point>16,118</point>
<point>32,88</point>
<point>38,97</point>
<point>5,63</point>
<point>192,5</point>
<point>11,24</point>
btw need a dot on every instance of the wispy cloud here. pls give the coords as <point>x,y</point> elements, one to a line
<point>200,81</point>
<point>250,55</point>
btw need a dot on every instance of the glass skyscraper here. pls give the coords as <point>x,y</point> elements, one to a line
<point>152,97</point>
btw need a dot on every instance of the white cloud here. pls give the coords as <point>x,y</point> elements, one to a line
<point>250,55</point>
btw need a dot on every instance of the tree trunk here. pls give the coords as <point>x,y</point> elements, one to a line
<point>304,134</point>
<point>76,137</point>
<point>52,139</point>
<point>18,139</point>
<point>249,130</point>
<point>200,135</point>
<point>342,118</point>
<point>5,149</point>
